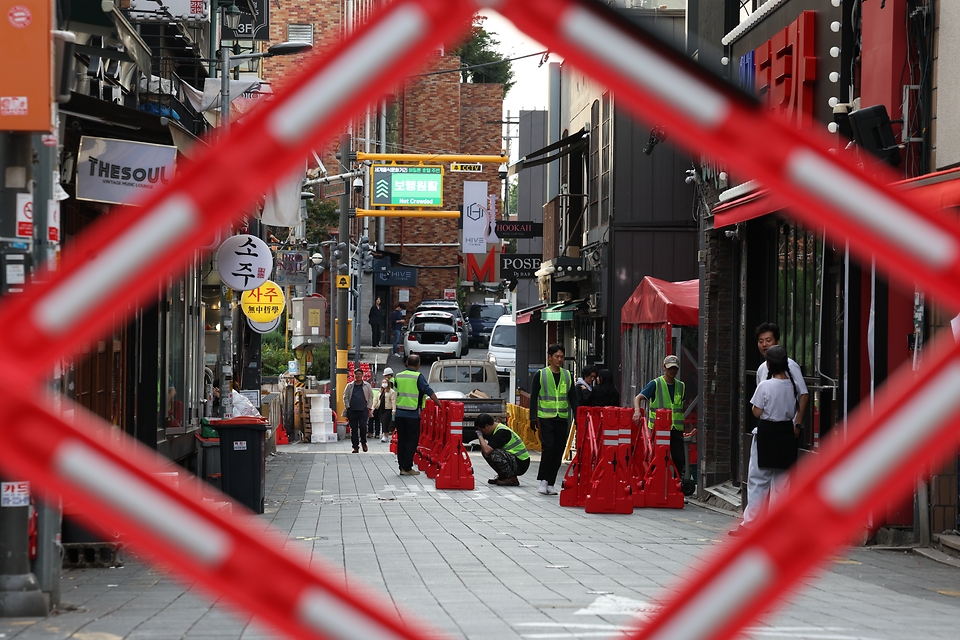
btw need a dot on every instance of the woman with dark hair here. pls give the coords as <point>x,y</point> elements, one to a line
<point>605,392</point>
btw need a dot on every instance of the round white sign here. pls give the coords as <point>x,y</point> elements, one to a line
<point>264,327</point>
<point>244,262</point>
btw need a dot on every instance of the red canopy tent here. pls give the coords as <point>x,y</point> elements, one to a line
<point>659,302</point>
<point>660,318</point>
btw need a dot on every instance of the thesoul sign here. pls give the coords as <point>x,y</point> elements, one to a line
<point>263,304</point>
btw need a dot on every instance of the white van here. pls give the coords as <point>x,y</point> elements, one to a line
<point>502,351</point>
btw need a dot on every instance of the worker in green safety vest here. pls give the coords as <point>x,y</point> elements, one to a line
<point>412,387</point>
<point>553,404</point>
<point>503,450</point>
<point>665,392</point>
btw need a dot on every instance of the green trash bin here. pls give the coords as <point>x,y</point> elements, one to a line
<point>243,459</point>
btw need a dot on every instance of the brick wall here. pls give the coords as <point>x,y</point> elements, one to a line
<point>719,339</point>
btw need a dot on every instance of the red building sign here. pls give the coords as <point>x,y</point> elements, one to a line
<point>786,68</point>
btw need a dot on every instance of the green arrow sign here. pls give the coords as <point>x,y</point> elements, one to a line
<point>407,186</point>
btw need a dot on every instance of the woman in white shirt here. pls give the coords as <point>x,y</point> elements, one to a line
<point>775,404</point>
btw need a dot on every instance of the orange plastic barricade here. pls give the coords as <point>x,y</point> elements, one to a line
<point>610,485</point>
<point>455,469</point>
<point>637,459</point>
<point>576,480</point>
<point>393,442</point>
<point>661,487</point>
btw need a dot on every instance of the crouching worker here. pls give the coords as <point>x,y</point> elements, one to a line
<point>503,450</point>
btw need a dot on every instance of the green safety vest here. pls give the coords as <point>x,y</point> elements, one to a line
<point>552,402</point>
<point>408,393</point>
<point>663,401</point>
<point>515,445</point>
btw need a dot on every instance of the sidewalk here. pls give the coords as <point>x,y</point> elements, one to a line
<point>494,563</point>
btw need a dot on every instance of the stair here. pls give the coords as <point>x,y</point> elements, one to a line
<point>948,543</point>
<point>724,496</point>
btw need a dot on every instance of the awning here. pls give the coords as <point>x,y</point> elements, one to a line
<point>560,311</point>
<point>563,147</point>
<point>525,315</point>
<point>938,190</point>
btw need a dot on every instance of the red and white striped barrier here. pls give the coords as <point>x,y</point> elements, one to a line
<point>121,259</point>
<point>454,469</point>
<point>661,486</point>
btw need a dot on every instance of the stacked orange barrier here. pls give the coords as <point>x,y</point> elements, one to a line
<point>426,445</point>
<point>610,484</point>
<point>637,458</point>
<point>661,486</point>
<point>576,480</point>
<point>455,471</point>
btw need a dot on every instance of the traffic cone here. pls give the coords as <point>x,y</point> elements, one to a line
<point>282,433</point>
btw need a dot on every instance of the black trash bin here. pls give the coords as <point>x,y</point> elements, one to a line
<point>243,459</point>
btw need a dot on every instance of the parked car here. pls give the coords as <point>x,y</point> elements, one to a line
<point>502,351</point>
<point>482,316</point>
<point>450,306</point>
<point>433,333</point>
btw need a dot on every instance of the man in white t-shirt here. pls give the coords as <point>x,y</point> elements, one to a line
<point>759,480</point>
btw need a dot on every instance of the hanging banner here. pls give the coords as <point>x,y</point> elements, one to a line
<point>122,172</point>
<point>474,217</point>
<point>244,262</point>
<point>263,304</point>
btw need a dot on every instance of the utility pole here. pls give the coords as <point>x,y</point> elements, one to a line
<point>343,293</point>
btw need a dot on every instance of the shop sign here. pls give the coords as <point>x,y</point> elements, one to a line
<point>244,262</point>
<point>396,277</point>
<point>291,268</point>
<point>122,172</point>
<point>518,266</point>
<point>15,494</point>
<point>786,71</point>
<point>263,304</point>
<point>523,229</point>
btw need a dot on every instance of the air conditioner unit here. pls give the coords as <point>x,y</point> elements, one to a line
<point>564,296</point>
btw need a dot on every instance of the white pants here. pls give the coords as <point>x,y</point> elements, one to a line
<point>763,486</point>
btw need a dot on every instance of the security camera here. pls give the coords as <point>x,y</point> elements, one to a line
<point>358,185</point>
<point>502,172</point>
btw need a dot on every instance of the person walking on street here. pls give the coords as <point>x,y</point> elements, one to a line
<point>385,404</point>
<point>665,392</point>
<point>358,399</point>
<point>760,480</point>
<point>376,319</point>
<point>503,450</point>
<point>605,392</point>
<point>553,403</point>
<point>412,387</point>
<point>396,326</point>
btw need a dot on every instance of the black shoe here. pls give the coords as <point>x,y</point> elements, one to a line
<point>493,480</point>
<point>512,481</point>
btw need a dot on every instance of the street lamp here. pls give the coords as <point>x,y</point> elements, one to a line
<point>228,61</point>
<point>231,17</point>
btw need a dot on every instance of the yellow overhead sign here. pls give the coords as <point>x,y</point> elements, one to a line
<point>343,282</point>
<point>460,167</point>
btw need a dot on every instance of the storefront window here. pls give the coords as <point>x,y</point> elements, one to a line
<point>183,351</point>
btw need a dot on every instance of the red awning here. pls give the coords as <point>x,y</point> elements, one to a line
<point>659,302</point>
<point>938,190</point>
<point>525,315</point>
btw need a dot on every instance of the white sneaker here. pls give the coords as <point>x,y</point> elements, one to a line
<point>383,438</point>
<point>551,491</point>
<point>543,488</point>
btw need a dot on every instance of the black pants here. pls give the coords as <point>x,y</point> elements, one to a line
<point>553,440</point>
<point>408,437</point>
<point>373,428</point>
<point>358,426</point>
<point>506,464</point>
<point>386,420</point>
<point>676,450</point>
<point>375,338</point>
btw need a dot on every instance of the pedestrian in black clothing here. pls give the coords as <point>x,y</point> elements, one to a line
<point>605,392</point>
<point>396,326</point>
<point>376,320</point>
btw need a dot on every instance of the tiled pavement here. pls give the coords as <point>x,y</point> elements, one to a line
<point>494,563</point>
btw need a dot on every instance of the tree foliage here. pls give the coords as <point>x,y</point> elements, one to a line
<point>321,217</point>
<point>479,48</point>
